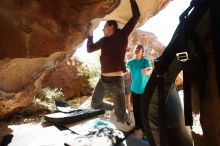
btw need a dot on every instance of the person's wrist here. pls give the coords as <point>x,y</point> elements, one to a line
<point>90,30</point>
<point>89,34</point>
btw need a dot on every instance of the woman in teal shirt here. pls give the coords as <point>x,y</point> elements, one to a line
<point>140,69</point>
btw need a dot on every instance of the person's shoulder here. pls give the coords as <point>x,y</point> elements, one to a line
<point>146,59</point>
<point>132,60</point>
<point>117,31</point>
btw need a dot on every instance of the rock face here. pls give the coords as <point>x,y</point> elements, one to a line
<point>33,30</point>
<point>69,77</point>
<point>40,28</point>
<point>148,8</point>
<point>153,48</point>
<point>37,38</point>
<point>21,78</point>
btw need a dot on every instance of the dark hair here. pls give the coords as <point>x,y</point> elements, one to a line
<point>112,23</point>
<point>140,47</point>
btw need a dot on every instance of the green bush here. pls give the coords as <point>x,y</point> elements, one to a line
<point>92,72</point>
<point>46,97</point>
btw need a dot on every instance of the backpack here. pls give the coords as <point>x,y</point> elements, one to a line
<point>184,52</point>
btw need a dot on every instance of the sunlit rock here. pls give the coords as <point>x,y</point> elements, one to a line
<point>33,30</point>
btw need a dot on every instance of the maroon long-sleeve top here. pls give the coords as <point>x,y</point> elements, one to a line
<point>113,47</point>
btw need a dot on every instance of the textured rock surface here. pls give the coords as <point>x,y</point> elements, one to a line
<point>153,48</point>
<point>36,36</point>
<point>148,8</point>
<point>21,78</point>
<point>33,30</point>
<point>68,77</point>
<point>40,28</point>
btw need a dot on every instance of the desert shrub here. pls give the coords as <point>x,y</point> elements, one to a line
<point>46,97</point>
<point>92,72</point>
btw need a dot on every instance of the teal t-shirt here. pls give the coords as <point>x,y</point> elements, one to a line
<point>139,81</point>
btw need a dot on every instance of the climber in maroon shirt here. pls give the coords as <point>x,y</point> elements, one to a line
<point>113,47</point>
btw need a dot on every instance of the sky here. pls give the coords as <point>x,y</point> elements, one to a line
<point>165,22</point>
<point>162,25</point>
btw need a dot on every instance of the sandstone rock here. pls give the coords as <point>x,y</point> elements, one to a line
<point>33,30</point>
<point>68,77</point>
<point>153,48</point>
